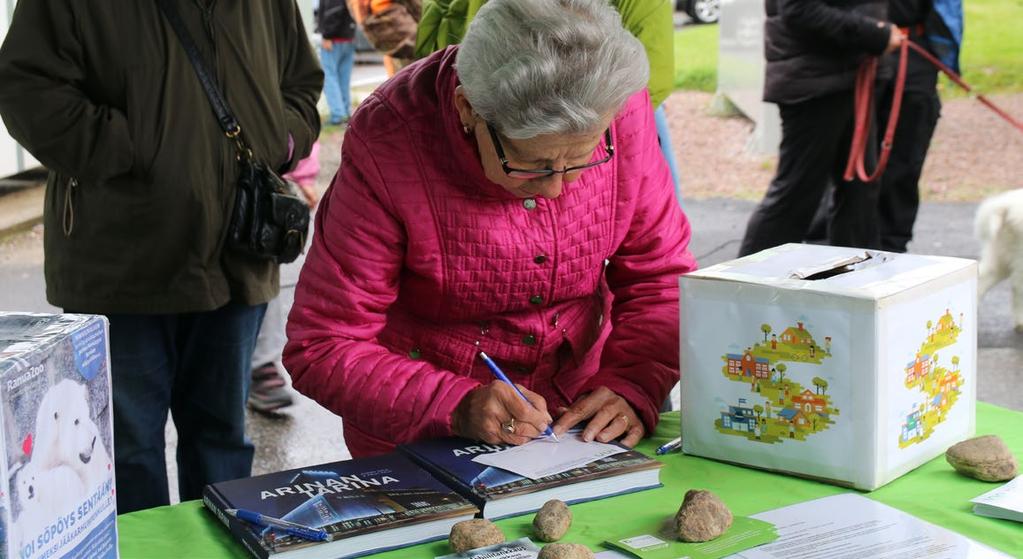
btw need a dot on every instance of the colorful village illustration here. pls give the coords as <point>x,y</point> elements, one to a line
<point>939,385</point>
<point>790,411</point>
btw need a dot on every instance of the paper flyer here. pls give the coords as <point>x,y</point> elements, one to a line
<point>743,534</point>
<point>544,457</point>
<point>1005,502</point>
<point>850,526</point>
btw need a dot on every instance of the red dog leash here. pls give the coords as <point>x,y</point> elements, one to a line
<point>864,100</point>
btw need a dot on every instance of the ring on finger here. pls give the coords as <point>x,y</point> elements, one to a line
<point>509,426</point>
<point>624,418</point>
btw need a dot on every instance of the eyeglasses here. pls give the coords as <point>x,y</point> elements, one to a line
<point>540,173</point>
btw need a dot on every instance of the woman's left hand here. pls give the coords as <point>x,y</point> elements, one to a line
<point>610,417</point>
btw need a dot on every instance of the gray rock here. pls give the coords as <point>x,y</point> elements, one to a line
<point>470,534</point>
<point>552,521</point>
<point>566,551</point>
<point>702,517</point>
<point>985,458</point>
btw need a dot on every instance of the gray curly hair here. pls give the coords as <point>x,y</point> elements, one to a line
<point>533,67</point>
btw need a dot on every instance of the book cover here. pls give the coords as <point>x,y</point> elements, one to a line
<point>451,459</point>
<point>347,499</point>
<point>522,548</point>
<point>57,439</point>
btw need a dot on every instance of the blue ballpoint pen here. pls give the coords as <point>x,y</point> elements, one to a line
<point>669,446</point>
<point>305,532</point>
<point>548,432</point>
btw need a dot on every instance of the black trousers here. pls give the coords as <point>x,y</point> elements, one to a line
<point>900,193</point>
<point>816,135</point>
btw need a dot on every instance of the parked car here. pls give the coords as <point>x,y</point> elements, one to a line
<point>702,11</point>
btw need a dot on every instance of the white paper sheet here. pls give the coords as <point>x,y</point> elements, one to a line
<point>545,457</point>
<point>1005,502</point>
<point>850,526</point>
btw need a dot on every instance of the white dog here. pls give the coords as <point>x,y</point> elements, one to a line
<point>1000,229</point>
<point>67,436</point>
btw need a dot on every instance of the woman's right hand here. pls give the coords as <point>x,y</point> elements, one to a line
<point>486,413</point>
<point>895,38</point>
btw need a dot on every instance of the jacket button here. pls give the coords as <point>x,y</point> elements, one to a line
<point>529,204</point>
<point>415,353</point>
<point>536,300</point>
<point>529,339</point>
<point>540,258</point>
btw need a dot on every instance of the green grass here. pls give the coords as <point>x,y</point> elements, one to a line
<point>992,56</point>
<point>696,58</point>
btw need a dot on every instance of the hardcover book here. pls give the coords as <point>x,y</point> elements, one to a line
<point>366,506</point>
<point>500,493</point>
<point>55,431</point>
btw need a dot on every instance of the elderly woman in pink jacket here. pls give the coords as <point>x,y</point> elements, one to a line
<point>509,196</point>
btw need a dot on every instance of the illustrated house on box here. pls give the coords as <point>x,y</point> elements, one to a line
<point>793,416</point>
<point>739,418</point>
<point>810,402</point>
<point>913,426</point>
<point>797,335</point>
<point>949,383</point>
<point>748,365</point>
<point>918,368</point>
<point>946,323</point>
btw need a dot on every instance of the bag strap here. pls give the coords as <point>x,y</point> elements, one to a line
<point>228,123</point>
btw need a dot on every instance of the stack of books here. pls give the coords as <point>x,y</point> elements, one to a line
<point>406,498</point>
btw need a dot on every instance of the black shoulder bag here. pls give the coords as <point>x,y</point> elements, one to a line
<point>268,221</point>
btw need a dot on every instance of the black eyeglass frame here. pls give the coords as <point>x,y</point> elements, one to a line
<point>543,173</point>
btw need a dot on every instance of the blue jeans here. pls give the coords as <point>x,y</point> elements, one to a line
<point>337,79</point>
<point>664,136</point>
<point>197,366</point>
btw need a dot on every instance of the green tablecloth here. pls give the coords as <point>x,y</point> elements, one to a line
<point>933,492</point>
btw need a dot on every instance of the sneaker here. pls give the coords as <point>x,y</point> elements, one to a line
<point>269,392</point>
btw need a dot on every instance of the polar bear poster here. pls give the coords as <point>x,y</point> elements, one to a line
<point>67,436</point>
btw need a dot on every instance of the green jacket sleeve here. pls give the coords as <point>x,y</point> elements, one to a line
<point>301,83</point>
<point>43,101</point>
<point>651,21</point>
<point>444,23</point>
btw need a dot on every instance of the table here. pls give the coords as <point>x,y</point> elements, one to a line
<point>933,492</point>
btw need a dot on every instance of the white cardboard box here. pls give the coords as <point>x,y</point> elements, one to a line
<point>57,499</point>
<point>854,379</point>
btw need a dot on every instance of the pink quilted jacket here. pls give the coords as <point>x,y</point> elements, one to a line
<point>417,257</point>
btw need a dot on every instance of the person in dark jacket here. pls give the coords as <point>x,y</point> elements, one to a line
<point>813,49</point>
<point>937,26</point>
<point>337,56</point>
<point>141,184</point>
